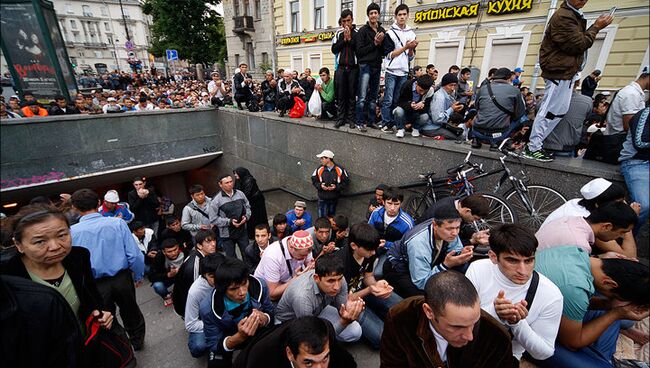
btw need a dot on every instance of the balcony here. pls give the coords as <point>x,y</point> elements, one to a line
<point>243,24</point>
<point>96,44</point>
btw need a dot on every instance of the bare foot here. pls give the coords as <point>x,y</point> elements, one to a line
<point>638,336</point>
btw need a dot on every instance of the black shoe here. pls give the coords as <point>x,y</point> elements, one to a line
<point>362,128</point>
<point>282,112</point>
<point>352,125</point>
<point>373,126</point>
<point>494,147</point>
<point>476,143</point>
<point>339,124</point>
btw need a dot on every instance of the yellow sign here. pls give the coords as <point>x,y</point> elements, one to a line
<point>447,13</point>
<point>290,40</point>
<point>497,7</point>
<point>307,38</point>
<point>326,36</point>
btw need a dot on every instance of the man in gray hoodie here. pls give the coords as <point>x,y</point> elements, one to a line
<point>229,211</point>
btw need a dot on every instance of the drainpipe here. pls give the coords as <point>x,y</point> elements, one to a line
<point>272,36</point>
<point>537,70</point>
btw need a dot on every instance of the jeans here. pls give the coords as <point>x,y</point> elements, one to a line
<point>372,318</point>
<point>196,344</point>
<point>162,287</point>
<point>351,333</point>
<point>490,139</point>
<point>637,178</point>
<point>229,245</point>
<point>327,207</point>
<point>416,118</point>
<point>268,106</point>
<point>381,306</point>
<point>597,355</point>
<point>367,94</point>
<point>392,87</point>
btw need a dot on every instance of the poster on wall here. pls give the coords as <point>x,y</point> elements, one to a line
<point>23,44</point>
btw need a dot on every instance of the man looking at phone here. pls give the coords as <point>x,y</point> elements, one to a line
<point>229,211</point>
<point>562,55</point>
<point>443,105</point>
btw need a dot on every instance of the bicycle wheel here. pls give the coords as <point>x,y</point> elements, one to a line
<point>416,204</point>
<point>500,212</point>
<point>542,201</point>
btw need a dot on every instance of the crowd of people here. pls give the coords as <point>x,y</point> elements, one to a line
<point>293,289</point>
<point>307,286</point>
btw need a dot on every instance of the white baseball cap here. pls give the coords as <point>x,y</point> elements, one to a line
<point>326,153</point>
<point>112,196</point>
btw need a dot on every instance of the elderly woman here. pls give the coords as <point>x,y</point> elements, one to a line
<point>248,185</point>
<point>46,256</point>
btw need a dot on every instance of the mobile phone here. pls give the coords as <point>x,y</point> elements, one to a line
<point>612,11</point>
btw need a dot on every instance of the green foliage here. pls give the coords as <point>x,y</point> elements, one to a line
<point>192,27</point>
<point>265,66</point>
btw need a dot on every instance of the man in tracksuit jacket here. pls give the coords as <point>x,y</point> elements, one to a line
<point>329,179</point>
<point>369,50</point>
<point>397,63</point>
<point>346,75</point>
<point>229,211</point>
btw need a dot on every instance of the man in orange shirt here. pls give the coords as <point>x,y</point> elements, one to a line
<point>32,109</point>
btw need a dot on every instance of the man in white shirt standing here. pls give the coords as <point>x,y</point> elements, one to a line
<point>526,302</point>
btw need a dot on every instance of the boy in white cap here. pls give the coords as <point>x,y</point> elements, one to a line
<point>285,260</point>
<point>330,179</point>
<point>112,207</point>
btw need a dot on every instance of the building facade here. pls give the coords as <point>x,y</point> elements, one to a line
<point>95,32</point>
<point>478,34</point>
<point>249,35</point>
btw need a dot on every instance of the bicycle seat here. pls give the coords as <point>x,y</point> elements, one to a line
<point>426,175</point>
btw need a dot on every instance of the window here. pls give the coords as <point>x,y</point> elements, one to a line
<point>107,27</point>
<point>104,11</point>
<point>505,53</point>
<point>86,11</point>
<point>73,24</point>
<point>237,61</point>
<point>246,7</point>
<point>319,12</point>
<point>81,53</point>
<point>506,48</point>
<point>445,55</point>
<point>295,16</point>
<point>110,40</point>
<point>250,52</point>
<point>98,54</point>
<point>599,51</point>
<point>258,9</point>
<point>315,63</point>
<point>126,13</point>
<point>75,36</point>
<point>265,58</point>
<point>68,9</point>
<point>347,4</point>
<point>235,8</point>
<point>296,62</point>
<point>385,15</point>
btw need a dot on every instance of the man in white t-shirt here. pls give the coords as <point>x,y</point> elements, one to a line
<point>285,260</point>
<point>503,283</point>
<point>626,103</point>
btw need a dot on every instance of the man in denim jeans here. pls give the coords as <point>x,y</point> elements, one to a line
<point>398,60</point>
<point>369,55</point>
<point>329,179</point>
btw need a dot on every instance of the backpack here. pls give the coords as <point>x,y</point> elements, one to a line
<point>388,45</point>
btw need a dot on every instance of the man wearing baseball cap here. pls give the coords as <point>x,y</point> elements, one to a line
<point>330,180</point>
<point>298,218</point>
<point>517,82</point>
<point>285,260</point>
<point>112,207</point>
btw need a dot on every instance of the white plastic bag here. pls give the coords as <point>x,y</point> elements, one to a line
<point>314,104</point>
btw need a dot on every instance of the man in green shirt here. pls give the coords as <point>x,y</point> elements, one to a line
<point>325,87</point>
<point>591,323</point>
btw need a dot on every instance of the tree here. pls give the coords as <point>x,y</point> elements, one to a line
<point>192,27</point>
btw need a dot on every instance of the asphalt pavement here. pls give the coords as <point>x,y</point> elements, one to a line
<point>166,340</point>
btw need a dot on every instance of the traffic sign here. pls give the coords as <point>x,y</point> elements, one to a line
<point>172,55</point>
<point>129,45</point>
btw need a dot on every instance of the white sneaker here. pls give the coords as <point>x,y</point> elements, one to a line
<point>400,133</point>
<point>415,133</point>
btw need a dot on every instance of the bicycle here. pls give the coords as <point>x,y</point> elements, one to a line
<point>532,202</point>
<point>459,185</point>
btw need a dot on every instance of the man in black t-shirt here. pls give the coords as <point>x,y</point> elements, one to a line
<point>174,231</point>
<point>358,258</point>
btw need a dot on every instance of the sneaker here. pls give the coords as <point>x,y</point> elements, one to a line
<point>387,129</point>
<point>400,133</point>
<point>168,300</point>
<point>538,155</point>
<point>415,133</point>
<point>339,124</point>
<point>362,128</point>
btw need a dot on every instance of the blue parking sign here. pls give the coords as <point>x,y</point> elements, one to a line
<point>172,55</point>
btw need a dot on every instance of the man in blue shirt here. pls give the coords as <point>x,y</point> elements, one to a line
<point>114,254</point>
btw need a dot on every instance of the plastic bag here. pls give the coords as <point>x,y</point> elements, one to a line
<point>298,109</point>
<point>315,104</point>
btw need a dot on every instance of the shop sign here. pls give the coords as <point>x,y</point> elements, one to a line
<point>307,38</point>
<point>290,40</point>
<point>497,7</point>
<point>494,7</point>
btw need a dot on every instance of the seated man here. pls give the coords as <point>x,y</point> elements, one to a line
<point>445,328</point>
<point>146,241</point>
<point>528,304</point>
<point>299,218</point>
<point>175,231</point>
<point>323,292</point>
<point>377,200</point>
<point>164,268</point>
<point>285,260</point>
<point>425,250</point>
<point>443,105</point>
<point>206,243</point>
<point>200,290</point>
<point>300,343</point>
<point>590,324</point>
<point>257,246</point>
<point>321,234</point>
<point>391,222</point>
<point>280,228</point>
<point>600,229</point>
<point>413,106</point>
<point>112,207</point>
<point>358,259</point>
<point>339,233</point>
<point>238,309</point>
<point>325,87</point>
<point>288,90</point>
<point>471,208</point>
